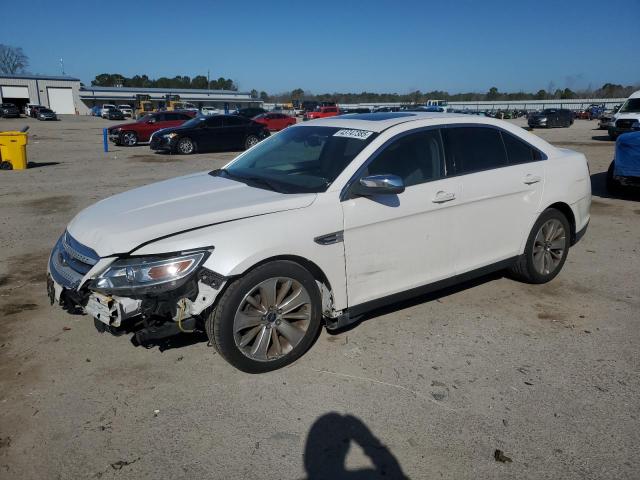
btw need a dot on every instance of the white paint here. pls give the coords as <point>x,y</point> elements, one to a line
<point>61,100</point>
<point>389,245</point>
<point>15,92</point>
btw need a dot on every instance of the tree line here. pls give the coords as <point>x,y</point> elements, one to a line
<point>179,81</point>
<point>608,90</point>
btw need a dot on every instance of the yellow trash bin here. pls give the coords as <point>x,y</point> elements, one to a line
<point>13,150</point>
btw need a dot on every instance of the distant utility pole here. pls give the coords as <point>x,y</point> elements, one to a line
<point>208,81</point>
<point>62,65</point>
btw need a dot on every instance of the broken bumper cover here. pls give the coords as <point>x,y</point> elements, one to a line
<point>70,279</point>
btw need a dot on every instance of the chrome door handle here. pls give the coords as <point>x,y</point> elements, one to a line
<point>442,197</point>
<point>531,179</point>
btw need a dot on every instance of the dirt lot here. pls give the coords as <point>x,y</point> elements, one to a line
<point>429,389</point>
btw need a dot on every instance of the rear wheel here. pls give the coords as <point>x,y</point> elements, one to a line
<point>266,319</point>
<point>129,139</point>
<point>6,166</point>
<point>546,249</point>
<point>250,141</point>
<point>186,146</point>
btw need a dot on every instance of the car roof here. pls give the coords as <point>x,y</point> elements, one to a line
<point>377,122</point>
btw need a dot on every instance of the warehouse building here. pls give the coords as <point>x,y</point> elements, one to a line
<point>66,95</point>
<point>59,93</point>
<point>222,99</point>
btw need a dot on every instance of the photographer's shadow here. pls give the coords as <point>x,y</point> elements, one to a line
<point>328,444</point>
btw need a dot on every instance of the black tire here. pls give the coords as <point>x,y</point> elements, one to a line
<point>185,146</point>
<point>612,135</point>
<point>6,166</point>
<point>128,139</point>
<point>612,185</point>
<point>250,141</point>
<point>220,321</point>
<point>524,269</point>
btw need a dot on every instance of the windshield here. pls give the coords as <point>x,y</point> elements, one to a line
<point>631,106</point>
<point>194,122</point>
<point>299,159</point>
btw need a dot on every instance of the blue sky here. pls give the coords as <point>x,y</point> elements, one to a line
<point>348,45</point>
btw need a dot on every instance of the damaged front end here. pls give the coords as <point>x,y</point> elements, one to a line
<point>153,297</point>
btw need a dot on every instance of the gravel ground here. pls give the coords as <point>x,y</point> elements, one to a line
<point>427,389</point>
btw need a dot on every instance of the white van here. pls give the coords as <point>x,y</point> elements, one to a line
<point>623,119</point>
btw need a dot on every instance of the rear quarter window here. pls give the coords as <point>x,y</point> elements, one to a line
<point>518,151</point>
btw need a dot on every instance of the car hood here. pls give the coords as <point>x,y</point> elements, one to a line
<point>121,223</point>
<point>627,116</point>
<point>123,125</point>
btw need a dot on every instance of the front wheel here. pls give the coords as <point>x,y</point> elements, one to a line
<point>250,142</point>
<point>129,139</point>
<point>546,249</point>
<point>186,146</point>
<point>266,319</point>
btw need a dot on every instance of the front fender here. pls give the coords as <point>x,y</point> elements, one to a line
<point>241,244</point>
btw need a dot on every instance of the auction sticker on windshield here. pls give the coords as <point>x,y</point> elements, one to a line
<point>348,133</point>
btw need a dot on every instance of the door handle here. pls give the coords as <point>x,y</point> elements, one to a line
<point>531,179</point>
<point>442,197</point>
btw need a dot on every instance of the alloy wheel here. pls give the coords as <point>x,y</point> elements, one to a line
<point>549,246</point>
<point>272,319</point>
<point>185,146</point>
<point>129,139</point>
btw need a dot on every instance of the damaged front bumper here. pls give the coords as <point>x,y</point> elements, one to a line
<point>72,271</point>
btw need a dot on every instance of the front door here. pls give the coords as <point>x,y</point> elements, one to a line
<point>397,242</point>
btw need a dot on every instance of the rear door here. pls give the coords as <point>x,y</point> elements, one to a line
<point>172,119</point>
<point>235,131</point>
<point>502,181</point>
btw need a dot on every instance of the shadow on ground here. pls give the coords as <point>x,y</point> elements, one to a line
<point>599,189</point>
<point>328,444</point>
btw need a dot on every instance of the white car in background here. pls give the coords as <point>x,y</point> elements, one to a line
<point>211,111</point>
<point>318,224</point>
<point>126,110</point>
<point>105,109</point>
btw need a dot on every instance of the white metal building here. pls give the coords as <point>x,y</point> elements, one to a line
<point>96,96</point>
<point>58,93</point>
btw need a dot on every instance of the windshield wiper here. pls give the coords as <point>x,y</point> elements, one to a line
<point>251,181</point>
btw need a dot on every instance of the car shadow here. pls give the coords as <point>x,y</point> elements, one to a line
<point>328,443</point>
<point>599,189</point>
<point>602,138</point>
<point>41,164</point>
<point>427,297</point>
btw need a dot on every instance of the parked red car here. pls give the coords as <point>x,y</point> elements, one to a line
<point>130,134</point>
<point>322,112</point>
<point>275,121</point>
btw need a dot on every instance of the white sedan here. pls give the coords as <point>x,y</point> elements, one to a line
<point>318,224</point>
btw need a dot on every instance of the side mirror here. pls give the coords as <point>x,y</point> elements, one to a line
<point>378,185</point>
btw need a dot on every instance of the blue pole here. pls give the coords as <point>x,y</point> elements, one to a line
<point>105,142</point>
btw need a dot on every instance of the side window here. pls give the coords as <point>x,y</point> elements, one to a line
<point>519,151</point>
<point>416,158</point>
<point>184,117</point>
<point>171,117</point>
<point>233,121</point>
<point>472,149</point>
<point>214,122</point>
<point>160,117</point>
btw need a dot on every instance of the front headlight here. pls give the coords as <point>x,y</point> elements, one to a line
<point>169,136</point>
<point>148,275</point>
